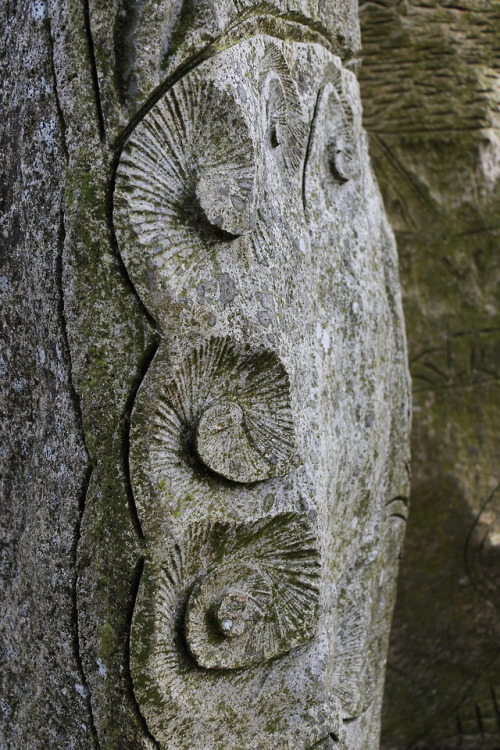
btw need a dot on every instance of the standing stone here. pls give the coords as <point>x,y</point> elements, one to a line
<point>226,291</point>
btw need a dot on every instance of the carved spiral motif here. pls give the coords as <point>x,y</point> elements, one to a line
<point>185,182</point>
<point>230,406</point>
<point>251,591</point>
<point>226,616</point>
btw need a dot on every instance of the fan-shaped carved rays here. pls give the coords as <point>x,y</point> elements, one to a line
<point>231,406</point>
<point>270,566</point>
<point>185,182</point>
<point>286,128</point>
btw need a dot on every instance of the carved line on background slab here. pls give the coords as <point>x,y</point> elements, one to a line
<point>496,705</point>
<point>410,179</point>
<point>138,571</point>
<point>458,710</point>
<point>144,367</point>
<point>93,66</point>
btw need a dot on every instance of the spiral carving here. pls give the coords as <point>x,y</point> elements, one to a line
<point>250,592</point>
<point>235,402</point>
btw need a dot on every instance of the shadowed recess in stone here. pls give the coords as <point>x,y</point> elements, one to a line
<point>230,404</point>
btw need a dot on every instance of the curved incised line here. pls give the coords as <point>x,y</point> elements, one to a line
<point>264,21</point>
<point>261,15</point>
<point>310,138</point>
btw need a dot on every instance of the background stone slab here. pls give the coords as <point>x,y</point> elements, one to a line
<point>431,88</point>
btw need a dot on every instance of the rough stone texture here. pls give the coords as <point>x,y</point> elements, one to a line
<point>254,235</point>
<point>431,89</point>
<point>43,694</point>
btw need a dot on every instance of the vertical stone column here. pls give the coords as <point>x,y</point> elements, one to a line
<point>232,311</point>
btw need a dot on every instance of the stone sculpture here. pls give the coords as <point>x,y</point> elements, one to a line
<point>269,435</point>
<point>209,474</point>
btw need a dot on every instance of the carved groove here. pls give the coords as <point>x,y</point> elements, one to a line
<point>75,399</point>
<point>271,566</point>
<point>235,402</point>
<point>335,131</point>
<point>139,568</point>
<point>93,70</point>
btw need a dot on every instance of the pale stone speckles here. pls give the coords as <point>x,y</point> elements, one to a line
<point>266,287</point>
<point>250,211</point>
<point>39,10</point>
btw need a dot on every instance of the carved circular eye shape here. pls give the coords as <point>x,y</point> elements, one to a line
<point>336,163</point>
<point>245,611</point>
<point>225,203</point>
<point>247,593</point>
<point>233,613</point>
<point>186,178</point>
<point>225,612</point>
<point>225,445</point>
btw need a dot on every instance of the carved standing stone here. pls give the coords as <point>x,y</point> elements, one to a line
<point>238,356</point>
<point>232,193</point>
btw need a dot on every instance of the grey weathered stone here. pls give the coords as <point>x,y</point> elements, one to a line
<point>231,325</point>
<point>43,694</point>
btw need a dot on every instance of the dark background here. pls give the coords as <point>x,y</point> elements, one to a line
<point>431,88</point>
